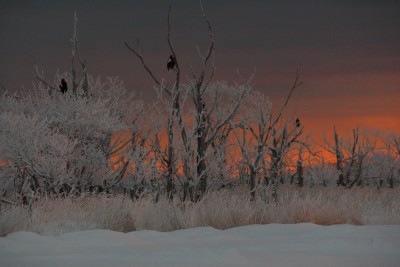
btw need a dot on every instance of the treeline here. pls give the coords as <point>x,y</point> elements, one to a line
<point>57,143</point>
<point>77,135</point>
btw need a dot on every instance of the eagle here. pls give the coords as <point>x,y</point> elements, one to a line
<point>63,86</point>
<point>297,122</point>
<point>171,62</point>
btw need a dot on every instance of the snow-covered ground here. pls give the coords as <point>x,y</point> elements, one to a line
<point>255,245</point>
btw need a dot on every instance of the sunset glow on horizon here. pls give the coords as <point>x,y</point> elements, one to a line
<point>347,53</point>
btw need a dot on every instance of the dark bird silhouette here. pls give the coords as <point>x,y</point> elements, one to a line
<point>297,122</point>
<point>63,86</point>
<point>171,62</point>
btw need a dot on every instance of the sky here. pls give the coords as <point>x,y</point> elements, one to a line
<point>347,52</point>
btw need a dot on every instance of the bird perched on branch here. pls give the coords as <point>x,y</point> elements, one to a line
<point>171,62</point>
<point>297,123</point>
<point>63,86</point>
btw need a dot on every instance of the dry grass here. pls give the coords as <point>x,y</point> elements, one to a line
<point>56,216</point>
<point>221,210</point>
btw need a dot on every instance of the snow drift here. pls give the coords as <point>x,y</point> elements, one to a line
<point>254,245</point>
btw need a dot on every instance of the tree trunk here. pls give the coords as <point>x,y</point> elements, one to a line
<point>252,184</point>
<point>359,172</point>
<point>300,177</point>
<point>391,180</point>
<point>201,144</point>
<point>201,167</point>
<point>170,161</point>
<point>339,158</point>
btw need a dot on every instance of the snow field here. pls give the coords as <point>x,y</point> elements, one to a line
<point>254,245</point>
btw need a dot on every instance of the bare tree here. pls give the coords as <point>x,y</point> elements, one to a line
<point>350,156</point>
<point>82,82</point>
<point>205,132</point>
<point>282,141</point>
<point>337,151</point>
<point>392,150</point>
<point>264,134</point>
<point>299,168</point>
<point>366,146</point>
<point>75,54</point>
<point>173,107</point>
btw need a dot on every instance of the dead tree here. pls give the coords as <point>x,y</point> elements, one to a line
<point>337,150</point>
<point>173,108</point>
<point>205,133</point>
<point>348,155</point>
<point>300,169</point>
<point>339,157</point>
<point>392,150</point>
<point>352,157</point>
<point>75,54</point>
<point>281,143</point>
<point>83,80</point>
<point>254,139</point>
<point>364,150</point>
<point>262,134</point>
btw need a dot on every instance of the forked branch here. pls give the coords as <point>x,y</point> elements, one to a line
<point>138,54</point>
<point>294,86</point>
<point>210,52</point>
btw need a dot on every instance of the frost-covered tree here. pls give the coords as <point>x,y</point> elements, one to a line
<point>390,159</point>
<point>206,124</point>
<point>56,140</point>
<point>350,155</point>
<point>64,142</point>
<point>210,129</point>
<point>265,138</point>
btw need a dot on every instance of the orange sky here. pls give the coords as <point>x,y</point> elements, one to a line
<point>347,101</point>
<point>347,52</point>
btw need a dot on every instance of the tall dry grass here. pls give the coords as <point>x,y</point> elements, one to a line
<point>221,210</point>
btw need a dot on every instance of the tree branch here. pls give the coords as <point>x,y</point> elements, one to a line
<point>295,85</point>
<point>140,57</point>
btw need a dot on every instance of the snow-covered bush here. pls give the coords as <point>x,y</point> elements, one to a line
<point>382,168</point>
<point>321,174</point>
<point>54,141</point>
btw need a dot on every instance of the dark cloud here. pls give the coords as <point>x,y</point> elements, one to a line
<point>342,48</point>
